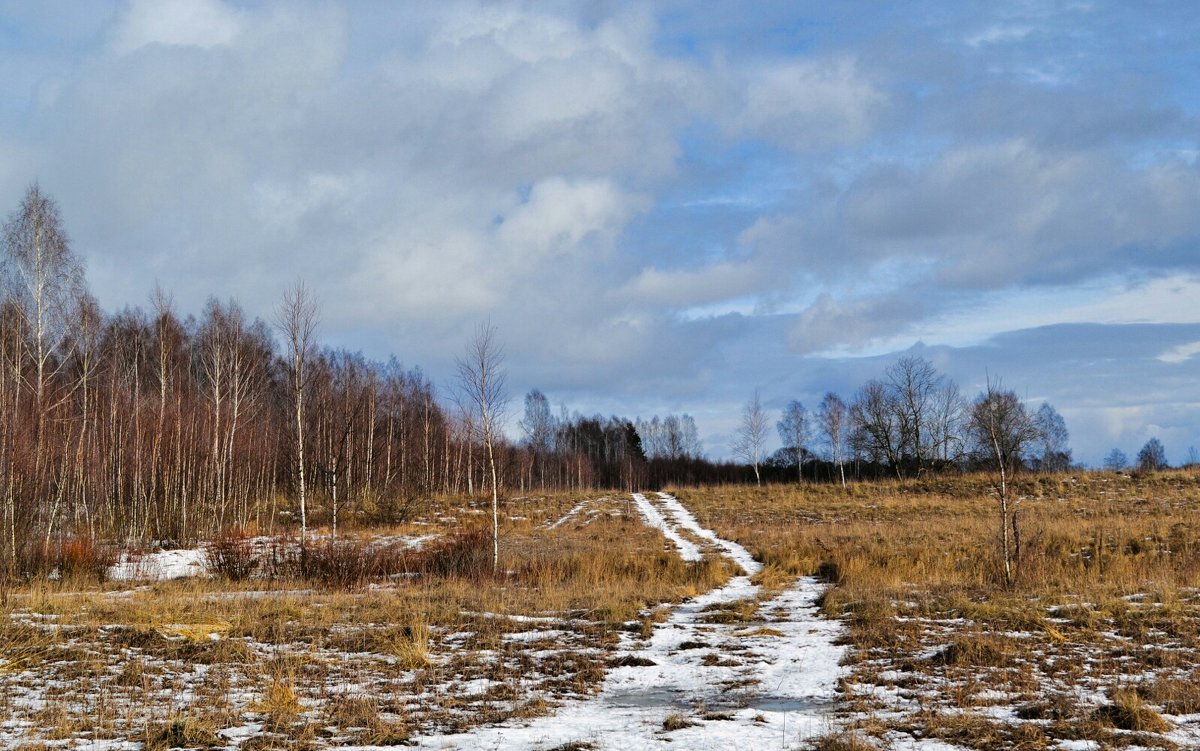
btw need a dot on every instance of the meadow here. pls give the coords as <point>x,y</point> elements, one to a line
<point>1095,644</point>
<point>385,636</point>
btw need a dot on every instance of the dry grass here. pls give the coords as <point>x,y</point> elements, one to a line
<point>364,641</point>
<point>1108,588</point>
<point>360,641</point>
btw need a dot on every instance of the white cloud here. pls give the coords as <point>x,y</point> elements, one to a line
<point>847,324</point>
<point>182,23</point>
<point>1181,353</point>
<point>998,34</point>
<point>808,104</point>
<point>561,215</point>
<point>687,288</point>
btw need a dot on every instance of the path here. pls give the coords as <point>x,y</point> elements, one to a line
<point>762,685</point>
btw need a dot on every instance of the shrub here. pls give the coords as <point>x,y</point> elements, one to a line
<point>341,564</point>
<point>466,554</point>
<point>231,555</point>
<point>84,558</point>
<point>75,558</point>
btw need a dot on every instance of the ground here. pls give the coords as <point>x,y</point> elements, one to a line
<point>737,617</point>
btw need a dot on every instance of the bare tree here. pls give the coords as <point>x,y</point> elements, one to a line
<point>831,416</point>
<point>45,278</point>
<point>482,380</point>
<point>751,439</point>
<point>914,384</point>
<point>793,431</point>
<point>538,425</point>
<point>878,425</point>
<point>297,318</point>
<point>1055,453</point>
<point>1116,461</point>
<point>1152,457</point>
<point>945,432</point>
<point>1003,433</point>
<point>689,437</point>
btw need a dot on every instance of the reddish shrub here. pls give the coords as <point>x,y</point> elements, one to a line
<point>232,555</point>
<point>84,558</point>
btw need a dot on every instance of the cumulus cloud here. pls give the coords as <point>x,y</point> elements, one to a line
<point>560,215</point>
<point>687,288</point>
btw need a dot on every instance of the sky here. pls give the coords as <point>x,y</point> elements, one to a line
<point>661,206</point>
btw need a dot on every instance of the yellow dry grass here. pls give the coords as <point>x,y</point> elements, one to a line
<point>277,651</point>
<point>1108,587</point>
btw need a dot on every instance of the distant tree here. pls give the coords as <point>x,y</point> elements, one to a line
<point>793,433</point>
<point>538,423</point>
<point>750,443</point>
<point>1152,457</point>
<point>1003,432</point>
<point>296,318</point>
<point>689,437</point>
<point>482,379</point>
<point>1193,457</point>
<point>1054,453</point>
<point>538,426</point>
<point>877,422</point>
<point>914,385</point>
<point>1116,460</point>
<point>945,431</point>
<point>831,416</point>
<point>673,437</point>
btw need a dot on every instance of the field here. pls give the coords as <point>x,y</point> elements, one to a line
<point>1095,646</point>
<point>618,619</point>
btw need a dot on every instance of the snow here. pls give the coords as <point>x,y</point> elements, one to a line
<point>761,689</point>
<point>570,514</point>
<point>688,550</point>
<point>159,565</point>
<point>684,519</point>
<point>180,563</point>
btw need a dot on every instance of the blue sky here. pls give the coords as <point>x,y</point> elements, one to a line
<point>662,206</point>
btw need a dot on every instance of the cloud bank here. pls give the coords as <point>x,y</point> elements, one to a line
<point>661,207</point>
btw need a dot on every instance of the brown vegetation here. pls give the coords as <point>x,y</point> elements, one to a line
<point>1107,592</point>
<point>361,639</point>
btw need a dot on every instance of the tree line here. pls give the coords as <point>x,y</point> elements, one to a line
<point>148,424</point>
<point>910,421</point>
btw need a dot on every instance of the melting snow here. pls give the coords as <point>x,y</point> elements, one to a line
<point>744,689</point>
<point>688,550</point>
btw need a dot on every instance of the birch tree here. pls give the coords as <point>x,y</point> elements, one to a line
<point>482,378</point>
<point>793,431</point>
<point>750,442</point>
<point>45,278</point>
<point>1003,433</point>
<point>297,319</point>
<point>831,416</point>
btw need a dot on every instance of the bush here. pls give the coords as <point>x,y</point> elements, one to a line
<point>84,558</point>
<point>466,554</point>
<point>76,558</point>
<point>341,564</point>
<point>231,555</point>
